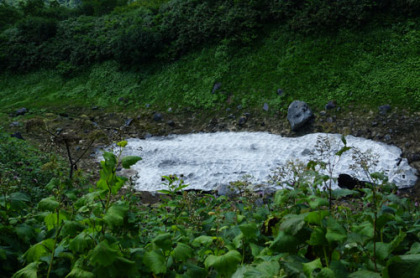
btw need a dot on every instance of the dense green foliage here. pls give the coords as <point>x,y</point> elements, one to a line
<point>39,35</point>
<point>99,231</point>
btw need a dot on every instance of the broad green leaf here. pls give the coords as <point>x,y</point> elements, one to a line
<point>225,264</point>
<point>49,204</point>
<point>342,150</point>
<point>404,266</point>
<point>110,160</point>
<point>81,242</point>
<point>41,249</point>
<point>284,243</point>
<point>122,144</point>
<point>316,202</point>
<point>25,232</point>
<point>155,261</point>
<point>383,250</point>
<point>326,273</point>
<point>315,217</point>
<point>29,271</point>
<point>103,254</point>
<point>163,241</point>
<point>51,220</point>
<point>318,237</point>
<point>309,268</point>
<point>78,271</point>
<point>267,269</point>
<point>19,197</point>
<point>343,192</point>
<point>335,232</point>
<point>293,223</point>
<point>194,271</point>
<point>182,252</point>
<point>365,274</point>
<point>53,183</point>
<point>255,249</point>
<point>415,248</point>
<point>249,230</point>
<point>115,214</point>
<point>202,240</point>
<point>71,228</point>
<point>364,230</point>
<point>129,161</point>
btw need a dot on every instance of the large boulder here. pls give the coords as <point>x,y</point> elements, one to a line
<point>298,114</point>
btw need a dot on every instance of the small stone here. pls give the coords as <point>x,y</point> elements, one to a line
<point>387,137</point>
<point>95,108</point>
<point>21,111</point>
<point>330,105</point>
<point>171,123</point>
<point>128,122</point>
<point>64,115</point>
<point>383,109</point>
<point>242,120</point>
<point>170,109</point>
<point>322,113</point>
<point>231,116</point>
<point>17,135</point>
<point>228,109</point>
<point>147,105</point>
<point>14,124</point>
<point>280,92</point>
<point>239,107</point>
<point>265,107</point>
<point>157,117</point>
<point>216,87</point>
<point>374,123</point>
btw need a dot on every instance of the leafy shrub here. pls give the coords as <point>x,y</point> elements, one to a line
<point>37,29</point>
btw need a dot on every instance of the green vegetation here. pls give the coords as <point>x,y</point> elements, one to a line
<point>126,55</point>
<point>78,230</point>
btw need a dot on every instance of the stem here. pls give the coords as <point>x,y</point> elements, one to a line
<point>325,256</point>
<point>374,227</point>
<point>70,159</point>
<point>55,244</point>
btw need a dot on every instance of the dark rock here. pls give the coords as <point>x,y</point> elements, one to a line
<point>265,107</point>
<point>298,114</point>
<point>123,99</point>
<point>157,117</point>
<point>322,113</point>
<point>374,123</point>
<point>347,181</point>
<point>330,105</point>
<point>231,116</point>
<point>17,135</point>
<point>387,137</point>
<point>239,107</point>
<point>242,120</point>
<point>330,120</point>
<point>171,123</point>
<point>247,115</point>
<point>216,87</point>
<point>147,105</point>
<point>280,92</point>
<point>228,109</point>
<point>95,108</point>
<point>147,136</point>
<point>128,122</point>
<point>383,109</point>
<point>21,111</point>
<point>306,152</point>
<point>263,124</point>
<point>64,115</point>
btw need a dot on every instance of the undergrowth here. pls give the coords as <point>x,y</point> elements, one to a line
<point>78,230</point>
<point>373,66</point>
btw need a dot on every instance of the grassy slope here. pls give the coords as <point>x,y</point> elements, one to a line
<point>375,66</point>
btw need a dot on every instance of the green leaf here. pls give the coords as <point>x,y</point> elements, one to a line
<point>316,202</point>
<point>49,204</point>
<point>71,228</point>
<point>81,242</point>
<point>19,197</point>
<point>364,230</point>
<point>29,271</point>
<point>383,250</point>
<point>249,230</point>
<point>25,232</point>
<point>202,240</point>
<point>129,161</point>
<point>115,215</point>
<point>318,237</point>
<point>110,160</point>
<point>122,144</point>
<point>293,223</point>
<point>335,232</point>
<point>103,254</point>
<point>309,268</point>
<point>284,243</point>
<point>315,217</point>
<point>51,220</point>
<point>163,241</point>
<point>326,273</point>
<point>225,264</point>
<point>155,261</point>
<point>182,252</point>
<point>364,274</point>
<point>343,192</point>
<point>404,266</point>
<point>78,272</point>
<point>342,150</point>
<point>41,249</point>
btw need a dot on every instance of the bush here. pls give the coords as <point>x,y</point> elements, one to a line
<point>37,29</point>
